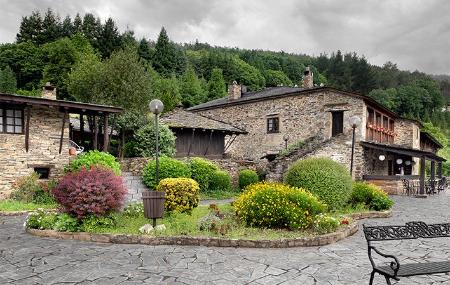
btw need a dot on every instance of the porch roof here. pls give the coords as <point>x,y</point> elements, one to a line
<point>402,150</point>
<point>69,106</point>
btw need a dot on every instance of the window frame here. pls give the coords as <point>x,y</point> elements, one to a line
<point>341,129</point>
<point>4,124</point>
<point>273,125</point>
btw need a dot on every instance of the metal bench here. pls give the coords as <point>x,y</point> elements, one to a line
<point>411,230</point>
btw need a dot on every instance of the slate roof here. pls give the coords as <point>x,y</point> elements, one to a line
<point>179,118</point>
<point>250,96</point>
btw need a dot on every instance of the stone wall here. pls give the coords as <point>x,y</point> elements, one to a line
<point>134,166</point>
<point>300,117</point>
<point>45,133</point>
<point>408,133</point>
<point>392,187</point>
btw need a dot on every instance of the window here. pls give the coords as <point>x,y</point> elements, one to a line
<point>273,125</point>
<point>337,126</point>
<point>11,120</point>
<point>44,172</point>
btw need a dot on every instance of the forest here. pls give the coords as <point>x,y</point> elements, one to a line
<point>90,60</point>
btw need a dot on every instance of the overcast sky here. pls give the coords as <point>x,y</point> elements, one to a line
<point>412,33</point>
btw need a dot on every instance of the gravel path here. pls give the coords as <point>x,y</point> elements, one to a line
<point>25,259</point>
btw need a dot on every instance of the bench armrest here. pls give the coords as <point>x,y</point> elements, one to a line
<point>395,264</point>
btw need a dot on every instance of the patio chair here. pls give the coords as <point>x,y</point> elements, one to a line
<point>406,187</point>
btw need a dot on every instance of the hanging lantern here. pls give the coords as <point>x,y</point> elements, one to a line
<point>408,162</point>
<point>399,161</point>
<point>382,157</point>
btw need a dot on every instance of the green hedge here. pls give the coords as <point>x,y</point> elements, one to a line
<point>220,181</point>
<point>168,168</point>
<point>94,158</point>
<point>247,177</point>
<point>370,196</point>
<point>201,171</point>
<point>323,177</point>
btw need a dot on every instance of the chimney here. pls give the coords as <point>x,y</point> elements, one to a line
<point>49,91</point>
<point>308,78</point>
<point>234,91</point>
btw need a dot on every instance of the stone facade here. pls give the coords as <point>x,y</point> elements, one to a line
<point>45,133</point>
<point>300,117</point>
<point>407,133</point>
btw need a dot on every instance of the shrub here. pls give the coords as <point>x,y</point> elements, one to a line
<point>43,194</point>
<point>168,168</point>
<point>92,223</point>
<point>41,219</point>
<point>371,196</point>
<point>181,194</point>
<point>29,189</point>
<point>323,177</point>
<point>130,149</point>
<point>94,158</point>
<point>220,181</point>
<point>275,205</point>
<point>324,224</point>
<point>95,191</point>
<point>66,223</point>
<point>145,139</point>
<point>247,177</point>
<point>25,188</point>
<point>201,171</point>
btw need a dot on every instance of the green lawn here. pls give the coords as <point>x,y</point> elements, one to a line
<point>178,224</point>
<point>14,206</point>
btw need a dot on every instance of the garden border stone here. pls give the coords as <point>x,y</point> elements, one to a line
<point>320,240</point>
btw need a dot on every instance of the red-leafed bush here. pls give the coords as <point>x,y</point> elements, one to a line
<point>94,191</point>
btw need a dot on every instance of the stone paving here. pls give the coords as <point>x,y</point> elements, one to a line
<point>25,259</point>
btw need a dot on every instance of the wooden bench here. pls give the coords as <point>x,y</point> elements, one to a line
<point>411,230</point>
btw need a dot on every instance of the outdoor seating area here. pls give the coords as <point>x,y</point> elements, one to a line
<point>411,187</point>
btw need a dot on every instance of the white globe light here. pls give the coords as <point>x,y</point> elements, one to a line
<point>382,157</point>
<point>156,106</point>
<point>355,121</point>
<point>399,161</point>
<point>408,162</point>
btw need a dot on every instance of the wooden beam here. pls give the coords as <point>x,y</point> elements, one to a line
<point>439,169</point>
<point>105,133</point>
<point>433,174</point>
<point>122,142</point>
<point>190,142</point>
<point>81,127</point>
<point>209,142</point>
<point>422,176</point>
<point>27,129</point>
<point>62,131</point>
<point>95,141</point>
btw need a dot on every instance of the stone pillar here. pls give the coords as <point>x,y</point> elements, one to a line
<point>308,78</point>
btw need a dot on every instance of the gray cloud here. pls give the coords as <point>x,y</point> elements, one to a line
<point>415,34</point>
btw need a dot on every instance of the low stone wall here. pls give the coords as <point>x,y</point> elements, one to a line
<point>134,186</point>
<point>392,187</point>
<point>202,241</point>
<point>135,165</point>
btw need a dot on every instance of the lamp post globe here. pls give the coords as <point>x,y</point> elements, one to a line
<point>354,121</point>
<point>156,106</point>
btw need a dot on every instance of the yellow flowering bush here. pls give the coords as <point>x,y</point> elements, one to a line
<point>275,205</point>
<point>182,194</point>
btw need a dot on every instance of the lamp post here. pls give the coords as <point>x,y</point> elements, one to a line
<point>354,121</point>
<point>156,107</point>
<point>154,200</point>
<point>286,138</point>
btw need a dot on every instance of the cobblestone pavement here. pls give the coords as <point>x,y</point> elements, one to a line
<point>25,259</point>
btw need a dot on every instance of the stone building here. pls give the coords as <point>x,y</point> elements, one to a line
<point>387,146</point>
<point>34,134</point>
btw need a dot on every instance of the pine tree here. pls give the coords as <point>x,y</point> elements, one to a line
<point>77,24</point>
<point>91,28</point>
<point>8,82</point>
<point>51,27</point>
<point>168,58</point>
<point>191,89</point>
<point>109,39</point>
<point>216,85</point>
<point>67,28</point>
<point>30,28</point>
<point>144,50</point>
